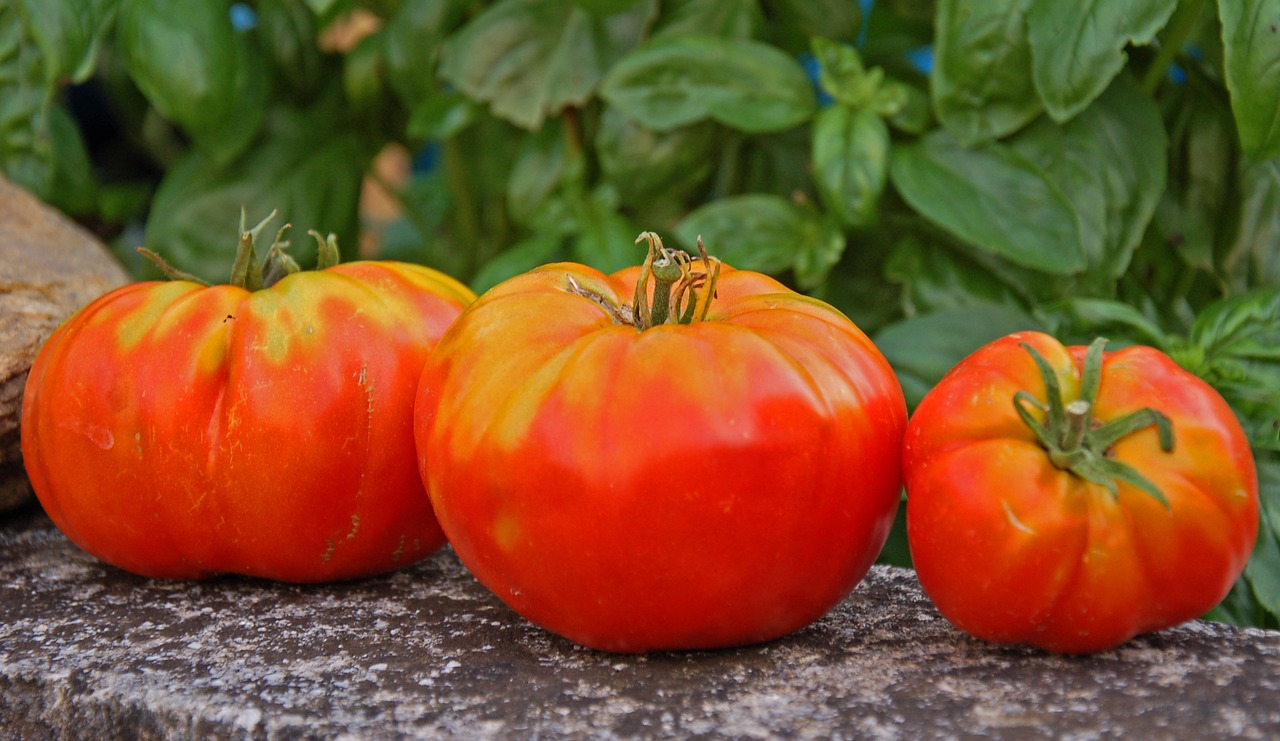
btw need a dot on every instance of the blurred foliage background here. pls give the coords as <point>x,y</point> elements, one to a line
<point>944,172</point>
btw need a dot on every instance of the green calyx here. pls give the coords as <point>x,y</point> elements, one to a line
<point>1078,443</point>
<point>681,294</point>
<point>250,273</point>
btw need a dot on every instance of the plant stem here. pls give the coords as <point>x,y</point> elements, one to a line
<point>465,211</point>
<point>1181,25</point>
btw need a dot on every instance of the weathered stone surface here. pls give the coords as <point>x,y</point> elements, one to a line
<point>49,268</point>
<point>89,651</point>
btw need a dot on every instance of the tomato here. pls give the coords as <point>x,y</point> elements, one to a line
<point>1071,499</point>
<point>712,460</point>
<point>179,430</point>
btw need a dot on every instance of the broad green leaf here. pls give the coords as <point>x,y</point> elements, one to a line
<point>1194,211</point>
<point>412,41</point>
<point>183,58</point>
<point>1251,47</point>
<point>752,232</point>
<point>933,277</point>
<point>982,87</point>
<point>992,198</point>
<point>522,257</point>
<point>26,145</point>
<point>642,163</point>
<point>606,7</point>
<point>843,76</point>
<point>441,116</point>
<point>1110,162</point>
<point>1235,347</point>
<point>305,165</point>
<point>680,80</point>
<point>324,8</point>
<point>735,19</point>
<point>1077,48</point>
<point>922,349</point>
<point>605,238</point>
<point>1263,570</point>
<point>850,162</point>
<point>287,31</point>
<point>822,245</point>
<point>1252,258</point>
<point>74,189</point>
<point>69,33</point>
<point>793,23</point>
<point>1081,320</point>
<point>528,59</point>
<point>546,166</point>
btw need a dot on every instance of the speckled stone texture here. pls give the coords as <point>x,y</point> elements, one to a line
<point>87,651</point>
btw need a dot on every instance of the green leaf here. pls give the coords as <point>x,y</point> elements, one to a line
<point>528,59</point>
<point>1078,48</point>
<point>1252,258</point>
<point>522,257</point>
<point>642,163</point>
<point>26,145</point>
<point>992,198</point>
<point>922,349</point>
<point>605,7</point>
<point>1110,162</point>
<point>306,166</point>
<point>69,33</point>
<point>821,246</point>
<point>1081,320</point>
<point>1251,47</point>
<point>1235,347</point>
<point>412,40</point>
<point>681,80</point>
<point>287,31</point>
<point>1195,209</point>
<point>933,276</point>
<point>441,116</point>
<point>74,189</point>
<point>751,232</point>
<point>793,23</point>
<point>1262,573</point>
<point>546,166</point>
<point>605,238</point>
<point>850,162</point>
<point>982,87</point>
<point>843,76</point>
<point>734,19</point>
<point>765,233</point>
<point>183,58</point>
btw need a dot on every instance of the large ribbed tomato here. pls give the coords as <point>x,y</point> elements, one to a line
<point>180,430</point>
<point>716,464</point>
<point>1071,499</point>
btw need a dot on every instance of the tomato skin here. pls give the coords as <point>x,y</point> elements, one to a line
<point>1012,549</point>
<point>180,431</point>
<point>686,486</point>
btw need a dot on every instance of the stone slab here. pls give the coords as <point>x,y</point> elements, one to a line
<point>88,651</point>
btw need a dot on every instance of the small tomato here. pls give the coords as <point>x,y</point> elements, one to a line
<point>1071,499</point>
<point>667,457</point>
<point>179,430</point>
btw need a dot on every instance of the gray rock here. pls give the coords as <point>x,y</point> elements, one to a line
<point>49,268</point>
<point>89,651</point>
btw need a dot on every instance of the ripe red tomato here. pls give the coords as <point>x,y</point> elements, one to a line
<point>177,430</point>
<point>1071,499</point>
<point>638,474</point>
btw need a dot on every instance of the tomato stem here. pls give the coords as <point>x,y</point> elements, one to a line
<point>681,295</point>
<point>1077,442</point>
<point>247,271</point>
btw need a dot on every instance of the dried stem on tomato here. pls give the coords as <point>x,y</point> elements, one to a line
<point>1080,444</point>
<point>681,294</point>
<point>247,271</point>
